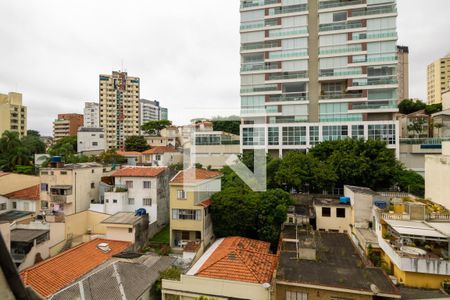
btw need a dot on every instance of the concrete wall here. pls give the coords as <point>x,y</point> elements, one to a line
<point>361,207</point>
<point>213,155</point>
<point>192,287</point>
<point>15,182</point>
<point>91,141</point>
<point>80,223</point>
<point>120,233</point>
<point>437,174</point>
<point>333,222</point>
<point>318,293</point>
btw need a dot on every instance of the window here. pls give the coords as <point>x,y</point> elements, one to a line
<point>115,201</point>
<point>158,157</point>
<point>92,171</point>
<point>26,206</point>
<point>14,205</point>
<point>181,194</point>
<point>147,201</point>
<point>130,201</point>
<point>147,184</point>
<point>107,201</point>
<point>296,295</point>
<point>63,172</point>
<point>129,184</point>
<point>340,212</point>
<point>198,235</point>
<point>185,235</point>
<point>44,187</point>
<point>186,214</point>
<point>94,144</point>
<point>44,173</point>
<point>92,185</point>
<point>2,206</point>
<point>130,230</point>
<point>326,212</point>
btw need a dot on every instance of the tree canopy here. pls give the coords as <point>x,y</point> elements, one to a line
<point>13,152</point>
<point>409,106</point>
<point>154,127</point>
<point>136,143</point>
<point>65,147</point>
<point>230,124</point>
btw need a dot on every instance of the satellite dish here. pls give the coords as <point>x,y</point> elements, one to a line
<point>374,289</point>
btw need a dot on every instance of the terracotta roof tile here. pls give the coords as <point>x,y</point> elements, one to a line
<point>193,175</point>
<point>139,172</point>
<point>31,193</point>
<point>160,150</point>
<point>240,259</point>
<point>128,153</point>
<point>205,203</point>
<point>55,273</point>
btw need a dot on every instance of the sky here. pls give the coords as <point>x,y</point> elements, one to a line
<point>186,53</point>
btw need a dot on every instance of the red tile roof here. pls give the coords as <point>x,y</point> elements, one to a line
<point>55,273</point>
<point>160,150</point>
<point>193,175</point>
<point>139,172</point>
<point>31,193</point>
<point>206,203</point>
<point>128,153</point>
<point>240,259</point>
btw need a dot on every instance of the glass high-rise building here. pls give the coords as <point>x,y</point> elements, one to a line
<point>317,70</point>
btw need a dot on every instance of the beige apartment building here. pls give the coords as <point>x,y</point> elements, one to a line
<point>13,115</point>
<point>438,77</point>
<point>67,125</point>
<point>119,107</point>
<point>403,72</point>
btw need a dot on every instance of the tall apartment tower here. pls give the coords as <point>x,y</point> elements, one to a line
<point>317,70</point>
<point>151,111</point>
<point>438,78</point>
<point>67,125</point>
<point>403,72</point>
<point>13,115</point>
<point>119,107</point>
<point>91,115</point>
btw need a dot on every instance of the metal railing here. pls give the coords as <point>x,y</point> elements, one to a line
<point>331,4</point>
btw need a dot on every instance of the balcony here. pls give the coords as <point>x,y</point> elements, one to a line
<point>288,54</point>
<point>374,82</point>
<point>341,50</point>
<point>340,73</point>
<point>288,9</point>
<point>257,3</point>
<point>374,11</point>
<point>287,32</point>
<point>390,105</point>
<point>259,67</point>
<point>341,26</point>
<point>288,76</point>
<point>338,3</point>
<point>342,96</point>
<point>259,46</point>
<point>260,89</point>
<point>289,97</point>
<point>373,36</point>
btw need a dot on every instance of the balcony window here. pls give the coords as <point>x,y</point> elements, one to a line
<point>340,212</point>
<point>129,184</point>
<point>326,212</point>
<point>186,214</point>
<point>147,184</point>
<point>181,195</point>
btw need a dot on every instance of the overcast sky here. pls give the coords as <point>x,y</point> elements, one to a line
<point>185,52</point>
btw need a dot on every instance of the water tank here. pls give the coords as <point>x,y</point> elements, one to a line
<point>344,200</point>
<point>56,159</point>
<point>380,204</point>
<point>141,212</point>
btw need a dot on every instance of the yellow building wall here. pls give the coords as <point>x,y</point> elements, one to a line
<point>79,224</point>
<point>416,280</point>
<point>316,294</point>
<point>15,182</point>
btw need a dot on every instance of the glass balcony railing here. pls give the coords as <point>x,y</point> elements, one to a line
<point>288,54</point>
<point>374,11</point>
<point>370,36</point>
<point>289,97</point>
<point>340,26</point>
<point>254,3</point>
<point>340,96</point>
<point>379,105</point>
<point>340,50</point>
<point>288,76</point>
<point>259,89</point>
<point>374,81</point>
<point>261,45</point>
<point>287,32</point>
<point>288,9</point>
<point>382,58</point>
<point>260,110</point>
<point>335,73</point>
<point>259,67</point>
<point>259,24</point>
<point>339,3</point>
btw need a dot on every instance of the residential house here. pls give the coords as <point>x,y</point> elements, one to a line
<point>162,156</point>
<point>322,265</point>
<point>123,278</point>
<point>54,274</point>
<point>135,188</point>
<point>190,219</point>
<point>69,189</point>
<point>91,141</point>
<point>232,268</point>
<point>415,243</point>
<point>133,157</point>
<point>27,199</point>
<point>166,137</point>
<point>127,226</point>
<point>12,182</point>
<point>333,215</point>
<point>441,122</point>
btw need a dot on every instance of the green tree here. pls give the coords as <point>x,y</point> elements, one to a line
<point>417,126</point>
<point>409,106</point>
<point>304,172</point>
<point>136,143</point>
<point>433,108</point>
<point>438,126</point>
<point>111,157</point>
<point>35,133</point>
<point>230,124</point>
<point>411,182</point>
<point>33,143</point>
<point>154,127</point>
<point>12,152</point>
<point>172,273</point>
<point>66,147</point>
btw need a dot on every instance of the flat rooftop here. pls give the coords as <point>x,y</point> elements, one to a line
<point>128,218</point>
<point>416,294</point>
<point>13,215</point>
<point>361,190</point>
<point>26,235</point>
<point>338,264</point>
<point>330,202</point>
<point>420,229</point>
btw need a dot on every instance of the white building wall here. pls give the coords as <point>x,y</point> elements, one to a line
<point>91,141</point>
<point>91,115</point>
<point>437,174</point>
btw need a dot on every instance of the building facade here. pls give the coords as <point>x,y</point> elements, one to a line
<point>119,107</point>
<point>438,77</point>
<point>91,140</point>
<point>403,72</point>
<point>91,115</point>
<point>151,111</point>
<point>314,71</point>
<point>437,170</point>
<point>67,125</point>
<point>13,115</point>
